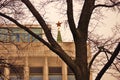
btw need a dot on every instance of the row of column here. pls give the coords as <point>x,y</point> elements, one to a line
<point>45,70</point>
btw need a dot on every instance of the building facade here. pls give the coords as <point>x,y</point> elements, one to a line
<point>34,61</point>
<point>25,58</point>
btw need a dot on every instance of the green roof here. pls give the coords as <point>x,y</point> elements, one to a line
<point>59,38</point>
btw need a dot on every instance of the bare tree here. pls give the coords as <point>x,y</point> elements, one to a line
<point>79,65</point>
<point>102,49</point>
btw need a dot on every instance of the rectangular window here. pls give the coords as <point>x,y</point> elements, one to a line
<point>17,37</point>
<point>15,78</point>
<point>16,73</point>
<point>36,73</point>
<point>38,31</point>
<point>25,37</point>
<point>71,77</point>
<point>55,73</point>
<point>4,35</point>
<point>55,70</point>
<point>36,77</point>
<point>13,37</point>
<point>36,70</point>
<point>18,34</point>
<point>55,77</point>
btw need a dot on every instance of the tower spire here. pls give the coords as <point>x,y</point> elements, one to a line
<point>59,38</point>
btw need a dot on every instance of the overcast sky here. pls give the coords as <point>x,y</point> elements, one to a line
<point>104,26</point>
<point>53,12</point>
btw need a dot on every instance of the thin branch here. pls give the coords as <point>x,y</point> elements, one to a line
<point>108,6</point>
<point>116,67</point>
<point>94,57</point>
<point>108,64</point>
<point>107,51</point>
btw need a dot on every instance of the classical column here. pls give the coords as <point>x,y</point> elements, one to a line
<point>26,69</point>
<point>6,73</point>
<point>45,70</point>
<point>64,71</point>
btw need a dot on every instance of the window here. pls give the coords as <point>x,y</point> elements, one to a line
<point>15,78</point>
<point>36,73</point>
<point>4,35</point>
<point>55,77</point>
<point>38,31</point>
<point>71,77</point>
<point>18,35</point>
<point>16,73</point>
<point>55,73</point>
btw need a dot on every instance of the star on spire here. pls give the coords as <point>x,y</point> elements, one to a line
<point>58,24</point>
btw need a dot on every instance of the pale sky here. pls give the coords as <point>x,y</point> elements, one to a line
<point>53,15</point>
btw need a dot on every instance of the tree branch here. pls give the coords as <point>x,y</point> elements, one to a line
<point>71,17</point>
<point>55,46</point>
<point>59,51</point>
<point>41,22</point>
<point>108,6</point>
<point>25,28</point>
<point>108,64</point>
<point>94,57</point>
<point>85,18</point>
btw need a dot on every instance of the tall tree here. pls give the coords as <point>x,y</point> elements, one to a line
<point>79,65</point>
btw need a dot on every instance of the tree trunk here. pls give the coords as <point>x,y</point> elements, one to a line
<point>81,60</point>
